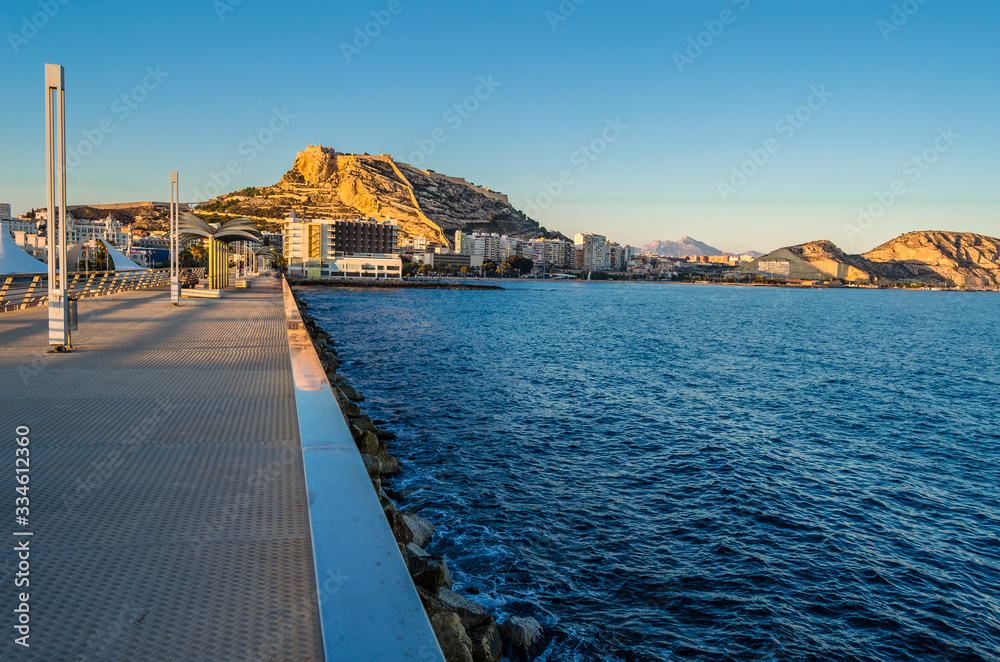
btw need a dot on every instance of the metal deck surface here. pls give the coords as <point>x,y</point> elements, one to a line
<point>168,503</point>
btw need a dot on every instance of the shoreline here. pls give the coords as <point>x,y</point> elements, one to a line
<point>387,283</point>
<point>465,630</point>
<point>461,283</point>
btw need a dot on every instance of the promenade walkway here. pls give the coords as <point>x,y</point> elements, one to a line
<point>167,500</point>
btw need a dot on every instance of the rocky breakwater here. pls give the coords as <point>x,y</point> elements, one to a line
<point>465,630</point>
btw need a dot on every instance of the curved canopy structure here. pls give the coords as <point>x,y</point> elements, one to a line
<point>190,226</point>
<point>118,259</point>
<point>13,260</point>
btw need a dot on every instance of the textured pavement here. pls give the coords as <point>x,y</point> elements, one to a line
<point>167,501</point>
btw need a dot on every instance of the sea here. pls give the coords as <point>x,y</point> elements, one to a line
<point>692,472</point>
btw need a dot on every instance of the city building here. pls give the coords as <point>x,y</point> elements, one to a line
<point>326,239</point>
<point>4,211</point>
<point>334,248</point>
<point>595,255</point>
<point>553,252</point>
<point>150,250</point>
<point>453,259</point>
<point>774,268</point>
<point>32,243</point>
<point>464,243</point>
<point>487,245</point>
<point>27,226</point>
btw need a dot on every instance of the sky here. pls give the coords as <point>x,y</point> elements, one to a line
<point>745,124</point>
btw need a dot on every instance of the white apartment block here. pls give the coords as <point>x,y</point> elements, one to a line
<point>595,253</point>
<point>487,245</point>
<point>553,252</point>
<point>20,225</point>
<point>109,229</point>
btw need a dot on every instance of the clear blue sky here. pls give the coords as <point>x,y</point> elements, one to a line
<point>230,64</point>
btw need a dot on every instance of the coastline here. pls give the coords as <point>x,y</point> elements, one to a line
<point>386,284</point>
<point>465,630</point>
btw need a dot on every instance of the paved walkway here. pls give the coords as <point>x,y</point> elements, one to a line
<point>167,497</point>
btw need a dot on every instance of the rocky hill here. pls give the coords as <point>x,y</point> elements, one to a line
<point>324,183</point>
<point>959,257</point>
<point>680,248</point>
<point>945,258</point>
<point>685,246</point>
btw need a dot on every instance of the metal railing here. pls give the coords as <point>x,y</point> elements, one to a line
<point>19,291</point>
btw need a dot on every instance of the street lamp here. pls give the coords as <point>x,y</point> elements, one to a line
<point>175,264</point>
<point>55,173</point>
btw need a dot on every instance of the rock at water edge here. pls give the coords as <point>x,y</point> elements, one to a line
<point>522,639</point>
<point>455,643</point>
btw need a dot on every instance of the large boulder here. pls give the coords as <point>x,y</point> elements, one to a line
<point>455,643</point>
<point>350,410</point>
<point>473,614</point>
<point>430,572</point>
<point>351,393</point>
<point>391,466</point>
<point>421,528</point>
<point>523,639</point>
<point>414,551</point>
<point>373,465</point>
<point>361,421</point>
<point>400,531</point>
<point>367,442</point>
<point>486,643</point>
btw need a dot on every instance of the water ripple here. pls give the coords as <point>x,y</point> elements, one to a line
<point>692,473</point>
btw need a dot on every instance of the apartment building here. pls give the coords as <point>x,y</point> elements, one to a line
<point>329,248</point>
<point>595,255</point>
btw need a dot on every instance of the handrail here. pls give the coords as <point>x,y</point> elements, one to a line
<point>19,291</point>
<point>368,606</point>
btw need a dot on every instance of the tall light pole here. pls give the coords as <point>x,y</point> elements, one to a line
<point>55,175</point>
<point>175,262</point>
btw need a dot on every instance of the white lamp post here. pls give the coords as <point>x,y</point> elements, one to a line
<point>175,261</point>
<point>55,174</point>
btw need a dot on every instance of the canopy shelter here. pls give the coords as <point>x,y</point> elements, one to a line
<point>190,227</point>
<point>13,260</point>
<point>73,256</point>
<point>118,260</point>
<point>261,257</point>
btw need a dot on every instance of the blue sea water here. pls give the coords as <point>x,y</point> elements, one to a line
<point>676,472</point>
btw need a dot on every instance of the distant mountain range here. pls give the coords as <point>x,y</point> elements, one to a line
<point>955,258</point>
<point>686,246</point>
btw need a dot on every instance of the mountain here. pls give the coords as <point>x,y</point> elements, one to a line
<point>686,246</point>
<point>324,183</point>
<point>945,258</point>
<point>680,248</point>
